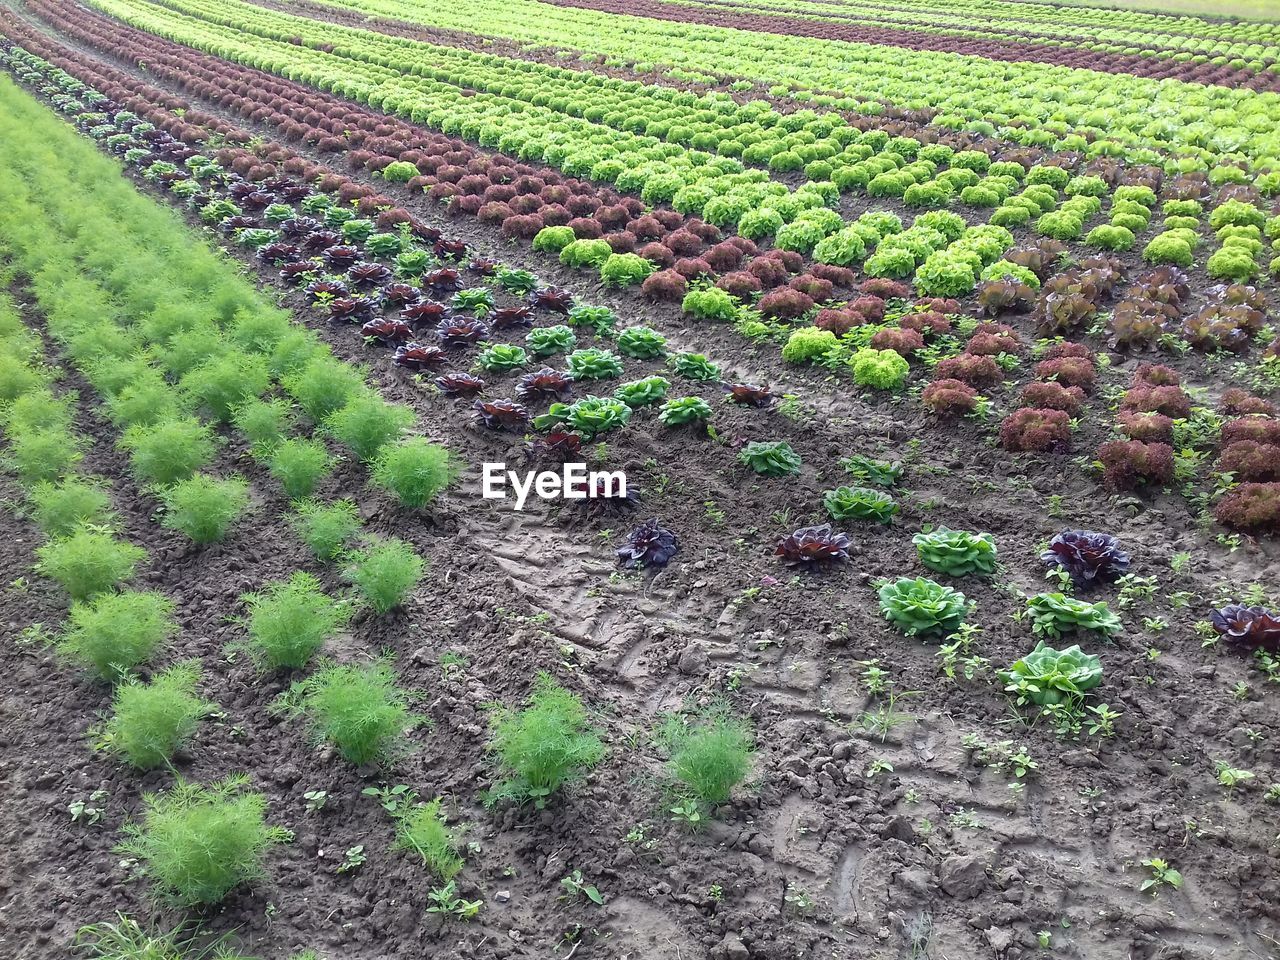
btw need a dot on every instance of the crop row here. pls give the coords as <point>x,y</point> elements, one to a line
<point>872,340</point>
<point>158,362</point>
<point>1143,53</point>
<point>1065,317</point>
<point>1129,113</point>
<point>873,162</point>
<point>848,246</point>
<point>1186,33</point>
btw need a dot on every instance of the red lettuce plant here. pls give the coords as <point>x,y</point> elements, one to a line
<point>813,546</point>
<point>1071,371</point>
<point>416,356</point>
<point>386,330</point>
<point>1147,427</point>
<point>560,445</point>
<point>1128,464</point>
<point>1032,430</point>
<point>748,395</point>
<point>1251,428</point>
<point>1254,507</point>
<point>501,415</point>
<point>1053,396</point>
<point>950,398</point>
<point>552,299</point>
<point>1237,402</point>
<point>981,373</point>
<point>1251,461</point>
<point>458,384</point>
<point>460,332</point>
<point>1088,557</point>
<point>544,384</point>
<point>648,545</point>
<point>1247,628</point>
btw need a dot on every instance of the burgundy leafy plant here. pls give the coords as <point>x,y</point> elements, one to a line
<point>387,330</point>
<point>813,546</point>
<point>1147,427</point>
<point>552,299</point>
<point>1053,396</point>
<point>648,545</point>
<point>277,253</point>
<point>1253,507</point>
<point>544,384</point>
<point>1170,401</point>
<point>424,314</point>
<point>668,286</point>
<point>556,445</point>
<point>341,258</point>
<point>444,280</point>
<point>785,304</point>
<point>351,309</point>
<point>451,249</point>
<point>1032,430</point>
<point>299,228</point>
<point>501,415</point>
<point>458,384</point>
<point>981,373</point>
<point>504,318</point>
<point>950,398</point>
<point>365,275</point>
<point>1251,461</point>
<point>838,321</point>
<point>903,342</point>
<point>1005,296</point>
<point>297,272</point>
<point>1088,557</point>
<point>319,240</point>
<point>1127,464</point>
<point>417,356</point>
<point>1256,429</point>
<point>1238,402</point>
<point>1071,371</point>
<point>749,395</point>
<point>1247,628</point>
<point>459,332</point>
<point>400,295</point>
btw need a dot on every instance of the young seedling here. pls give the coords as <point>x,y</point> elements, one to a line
<point>352,859</point>
<point>1230,777</point>
<point>395,800</point>
<point>1162,875</point>
<point>88,812</point>
<point>576,887</point>
<point>445,900</point>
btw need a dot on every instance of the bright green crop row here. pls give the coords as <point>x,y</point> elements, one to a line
<point>1029,103</point>
<point>1097,21</point>
<point>549,114</point>
<point>628,134</point>
<point>975,21</point>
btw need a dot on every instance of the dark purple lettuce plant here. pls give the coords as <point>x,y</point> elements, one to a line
<point>1088,557</point>
<point>648,545</point>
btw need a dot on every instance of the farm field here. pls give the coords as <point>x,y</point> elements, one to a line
<point>673,479</point>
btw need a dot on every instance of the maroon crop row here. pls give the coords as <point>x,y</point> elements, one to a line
<point>519,198</point>
<point>1152,67</point>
